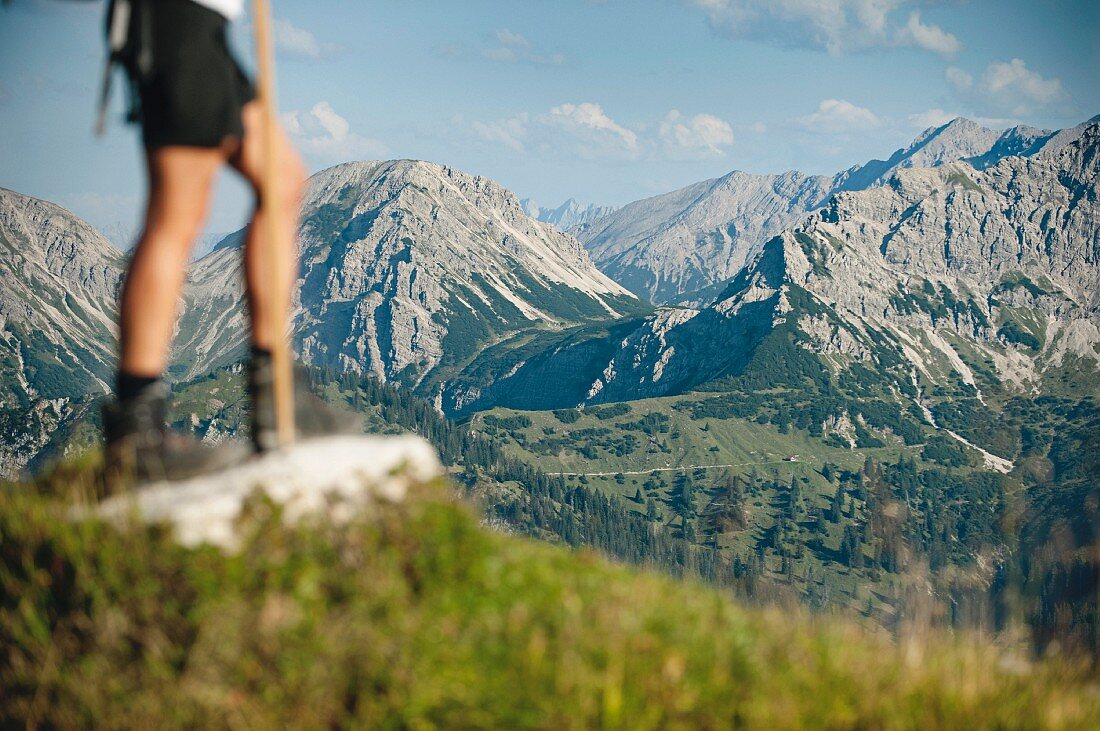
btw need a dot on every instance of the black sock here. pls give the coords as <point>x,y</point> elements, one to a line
<point>130,386</point>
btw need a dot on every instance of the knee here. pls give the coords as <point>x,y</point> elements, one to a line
<point>173,226</point>
<point>291,185</point>
<point>293,176</point>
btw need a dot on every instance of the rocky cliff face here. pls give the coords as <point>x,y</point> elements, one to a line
<point>57,303</point>
<point>675,243</point>
<point>408,268</point>
<point>944,277</point>
<point>667,247</point>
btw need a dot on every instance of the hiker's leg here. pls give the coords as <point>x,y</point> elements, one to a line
<point>291,176</point>
<point>180,180</point>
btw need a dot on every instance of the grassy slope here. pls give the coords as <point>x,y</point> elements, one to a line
<point>750,448</point>
<point>420,619</point>
<point>734,441</point>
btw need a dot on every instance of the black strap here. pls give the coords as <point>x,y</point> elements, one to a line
<point>129,29</point>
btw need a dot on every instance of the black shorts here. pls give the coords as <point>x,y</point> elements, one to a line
<point>194,91</point>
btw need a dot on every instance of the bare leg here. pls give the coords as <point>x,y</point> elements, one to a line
<point>180,180</point>
<point>248,160</point>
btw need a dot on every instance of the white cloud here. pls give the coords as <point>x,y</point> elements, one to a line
<point>508,38</point>
<point>836,26</point>
<point>703,135</point>
<point>958,78</point>
<point>931,118</point>
<point>1015,79</point>
<point>508,132</point>
<point>324,134</point>
<point>296,41</point>
<point>930,37</point>
<point>1008,87</point>
<point>839,116</point>
<point>596,133</point>
<point>586,131</point>
<point>511,47</point>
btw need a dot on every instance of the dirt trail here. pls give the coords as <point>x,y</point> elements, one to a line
<point>678,468</point>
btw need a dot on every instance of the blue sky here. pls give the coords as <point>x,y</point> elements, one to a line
<point>606,101</point>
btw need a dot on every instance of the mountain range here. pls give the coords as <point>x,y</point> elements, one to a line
<point>967,260</point>
<point>568,215</point>
<point>939,284</point>
<point>408,270</point>
<point>666,247</point>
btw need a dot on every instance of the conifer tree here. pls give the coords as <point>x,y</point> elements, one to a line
<point>836,505</point>
<point>851,548</point>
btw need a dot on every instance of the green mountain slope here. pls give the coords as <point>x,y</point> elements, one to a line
<point>747,494</point>
<point>856,524</point>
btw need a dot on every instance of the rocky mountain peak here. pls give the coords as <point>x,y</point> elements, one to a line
<point>409,267</point>
<point>678,247</point>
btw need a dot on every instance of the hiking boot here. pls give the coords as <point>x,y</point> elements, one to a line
<point>140,448</point>
<point>261,393</point>
<point>312,416</point>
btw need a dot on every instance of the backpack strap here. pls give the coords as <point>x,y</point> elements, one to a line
<point>130,45</point>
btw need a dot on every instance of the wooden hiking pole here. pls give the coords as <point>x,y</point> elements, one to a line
<point>274,233</point>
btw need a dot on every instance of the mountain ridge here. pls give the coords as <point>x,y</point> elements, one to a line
<point>60,278</point>
<point>935,274</point>
<point>434,278</point>
<point>668,247</point>
<point>398,256</point>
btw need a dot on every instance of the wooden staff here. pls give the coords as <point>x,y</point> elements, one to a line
<point>274,233</point>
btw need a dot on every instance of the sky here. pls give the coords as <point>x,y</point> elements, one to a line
<point>606,101</point>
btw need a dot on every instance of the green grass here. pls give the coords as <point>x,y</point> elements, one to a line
<point>417,618</point>
<point>961,179</point>
<point>720,445</point>
<point>690,441</point>
<point>1023,326</point>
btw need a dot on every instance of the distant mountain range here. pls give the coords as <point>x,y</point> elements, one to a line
<point>124,238</point>
<point>568,215</point>
<point>408,270</point>
<point>666,247</point>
